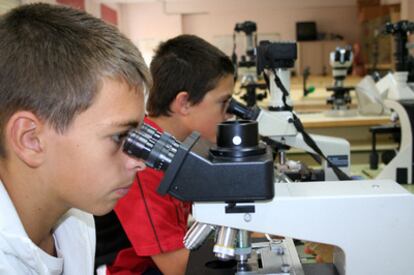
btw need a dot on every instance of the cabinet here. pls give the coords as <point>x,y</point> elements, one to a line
<point>315,55</point>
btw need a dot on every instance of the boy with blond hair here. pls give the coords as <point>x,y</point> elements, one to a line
<point>71,86</point>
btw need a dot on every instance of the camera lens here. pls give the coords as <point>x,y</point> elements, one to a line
<point>155,148</point>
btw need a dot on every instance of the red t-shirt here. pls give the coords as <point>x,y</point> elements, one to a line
<point>153,223</point>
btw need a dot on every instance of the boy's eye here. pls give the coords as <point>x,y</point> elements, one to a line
<point>225,102</point>
<point>119,138</point>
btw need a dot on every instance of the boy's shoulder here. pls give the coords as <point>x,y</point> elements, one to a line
<point>74,238</point>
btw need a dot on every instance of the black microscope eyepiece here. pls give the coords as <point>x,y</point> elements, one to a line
<point>238,109</point>
<point>155,148</point>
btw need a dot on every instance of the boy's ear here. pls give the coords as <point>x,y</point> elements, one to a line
<point>23,132</point>
<point>181,104</point>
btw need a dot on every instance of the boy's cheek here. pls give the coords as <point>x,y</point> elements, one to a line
<point>212,136</point>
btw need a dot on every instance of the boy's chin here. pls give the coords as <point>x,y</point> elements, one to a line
<point>103,210</point>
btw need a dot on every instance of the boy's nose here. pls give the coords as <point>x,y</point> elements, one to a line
<point>135,164</point>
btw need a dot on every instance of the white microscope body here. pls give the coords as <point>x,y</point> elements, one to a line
<point>369,222</point>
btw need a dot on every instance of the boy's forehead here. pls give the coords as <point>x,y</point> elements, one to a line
<point>117,104</point>
<point>118,90</point>
<point>224,87</point>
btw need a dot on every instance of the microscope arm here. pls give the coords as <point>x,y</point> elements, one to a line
<point>371,222</point>
<point>399,97</point>
<point>278,127</point>
<point>400,167</point>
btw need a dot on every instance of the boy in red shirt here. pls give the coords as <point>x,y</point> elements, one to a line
<point>193,83</point>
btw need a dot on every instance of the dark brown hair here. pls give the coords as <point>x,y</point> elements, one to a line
<point>185,63</point>
<point>53,60</point>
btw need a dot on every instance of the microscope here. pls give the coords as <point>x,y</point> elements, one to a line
<point>340,61</point>
<point>398,96</point>
<point>279,124</point>
<point>245,68</point>
<point>238,155</point>
<point>235,190</point>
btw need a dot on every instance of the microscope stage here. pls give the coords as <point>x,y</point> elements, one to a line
<point>278,258</point>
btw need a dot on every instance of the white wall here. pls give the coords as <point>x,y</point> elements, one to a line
<point>93,7</point>
<point>6,5</point>
<point>148,23</point>
<point>282,21</point>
